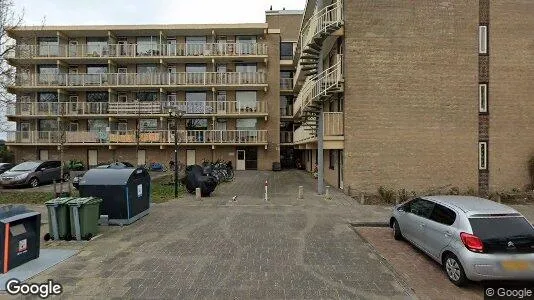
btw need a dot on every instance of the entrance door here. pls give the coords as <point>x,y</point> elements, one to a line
<point>340,169</point>
<point>240,165</point>
<point>43,154</point>
<point>92,158</point>
<point>141,157</point>
<point>191,157</point>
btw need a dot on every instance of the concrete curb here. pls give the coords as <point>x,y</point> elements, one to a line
<point>369,224</point>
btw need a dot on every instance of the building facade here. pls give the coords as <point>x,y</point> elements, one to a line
<point>414,95</point>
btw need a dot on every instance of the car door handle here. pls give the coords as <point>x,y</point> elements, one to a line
<point>422,224</point>
<point>448,234</point>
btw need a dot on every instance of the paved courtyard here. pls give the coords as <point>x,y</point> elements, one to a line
<point>217,248</point>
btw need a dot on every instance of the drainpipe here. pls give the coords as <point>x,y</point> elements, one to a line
<point>320,135</point>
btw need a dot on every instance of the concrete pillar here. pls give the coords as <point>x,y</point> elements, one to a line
<point>198,195</point>
<point>301,192</point>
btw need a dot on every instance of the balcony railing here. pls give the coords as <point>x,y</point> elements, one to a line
<point>333,123</point>
<point>137,50</point>
<point>318,86</point>
<point>142,79</point>
<point>210,137</point>
<point>135,108</point>
<point>286,84</point>
<point>303,134</point>
<point>286,137</point>
<point>320,22</point>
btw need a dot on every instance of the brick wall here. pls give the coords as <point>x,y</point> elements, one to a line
<point>411,115</point>
<point>289,25</point>
<point>511,92</point>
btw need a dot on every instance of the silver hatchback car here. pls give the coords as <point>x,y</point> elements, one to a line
<point>473,238</point>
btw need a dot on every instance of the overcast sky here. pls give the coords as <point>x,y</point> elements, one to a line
<point>102,12</point>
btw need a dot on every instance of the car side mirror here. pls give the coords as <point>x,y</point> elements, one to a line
<point>401,209</point>
<point>42,169</point>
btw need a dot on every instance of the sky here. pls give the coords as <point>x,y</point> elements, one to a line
<point>117,12</point>
<point>102,12</point>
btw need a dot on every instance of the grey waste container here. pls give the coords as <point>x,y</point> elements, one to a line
<point>20,231</point>
<point>125,193</point>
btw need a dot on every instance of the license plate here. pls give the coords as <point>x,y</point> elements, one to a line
<point>515,265</point>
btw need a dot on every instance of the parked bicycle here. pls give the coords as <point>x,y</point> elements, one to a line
<point>221,170</point>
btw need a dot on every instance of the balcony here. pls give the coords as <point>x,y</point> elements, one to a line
<point>254,80</point>
<point>286,84</point>
<point>333,132</point>
<point>145,51</point>
<point>129,137</point>
<point>156,108</point>
<point>286,137</point>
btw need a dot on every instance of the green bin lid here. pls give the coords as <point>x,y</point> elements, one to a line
<point>59,201</point>
<point>84,201</point>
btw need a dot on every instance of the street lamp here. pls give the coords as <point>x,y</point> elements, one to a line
<point>176,114</point>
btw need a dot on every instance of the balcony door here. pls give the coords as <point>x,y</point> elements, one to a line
<point>92,158</point>
<point>73,48</point>
<point>25,132</point>
<point>121,80</point>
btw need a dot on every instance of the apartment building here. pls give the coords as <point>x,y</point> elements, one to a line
<point>106,93</point>
<point>415,95</point>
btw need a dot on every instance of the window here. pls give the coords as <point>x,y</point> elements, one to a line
<point>483,97</point>
<point>483,155</point>
<point>147,68</point>
<point>195,68</point>
<point>443,215</point>
<point>97,96</point>
<point>147,46</point>
<point>197,124</point>
<point>246,100</point>
<point>97,125</point>
<point>242,68</point>
<point>97,46</point>
<point>286,105</point>
<point>196,102</point>
<point>48,46</point>
<point>97,69</point>
<point>73,126</point>
<point>47,97</point>
<point>48,69</point>
<point>286,50</point>
<point>246,124</point>
<point>195,45</point>
<point>47,125</point>
<point>146,96</point>
<point>420,207</point>
<point>148,124</point>
<point>332,159</point>
<point>246,44</point>
<point>483,39</point>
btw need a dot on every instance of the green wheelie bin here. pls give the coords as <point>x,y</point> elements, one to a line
<point>58,219</point>
<point>84,215</point>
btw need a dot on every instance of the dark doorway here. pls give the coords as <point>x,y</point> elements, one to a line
<point>251,157</point>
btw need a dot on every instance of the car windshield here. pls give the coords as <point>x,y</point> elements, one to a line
<point>501,227</point>
<point>25,166</point>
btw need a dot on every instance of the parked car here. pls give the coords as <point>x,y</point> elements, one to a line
<point>473,238</point>
<point>115,165</point>
<point>5,167</point>
<point>33,173</point>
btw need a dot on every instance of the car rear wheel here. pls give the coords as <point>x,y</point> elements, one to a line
<point>34,182</point>
<point>454,270</point>
<point>396,231</point>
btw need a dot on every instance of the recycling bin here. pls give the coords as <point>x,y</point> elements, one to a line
<point>84,215</point>
<point>125,193</point>
<point>20,231</point>
<point>58,219</point>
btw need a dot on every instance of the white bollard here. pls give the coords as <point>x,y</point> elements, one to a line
<point>198,195</point>
<point>301,192</point>
<point>266,187</point>
<point>327,193</point>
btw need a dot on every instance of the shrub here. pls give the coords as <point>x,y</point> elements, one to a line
<point>387,195</point>
<point>471,192</point>
<point>75,165</point>
<point>403,195</point>
<point>454,191</point>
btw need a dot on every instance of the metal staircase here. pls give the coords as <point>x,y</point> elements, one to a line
<point>314,33</point>
<point>315,92</point>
